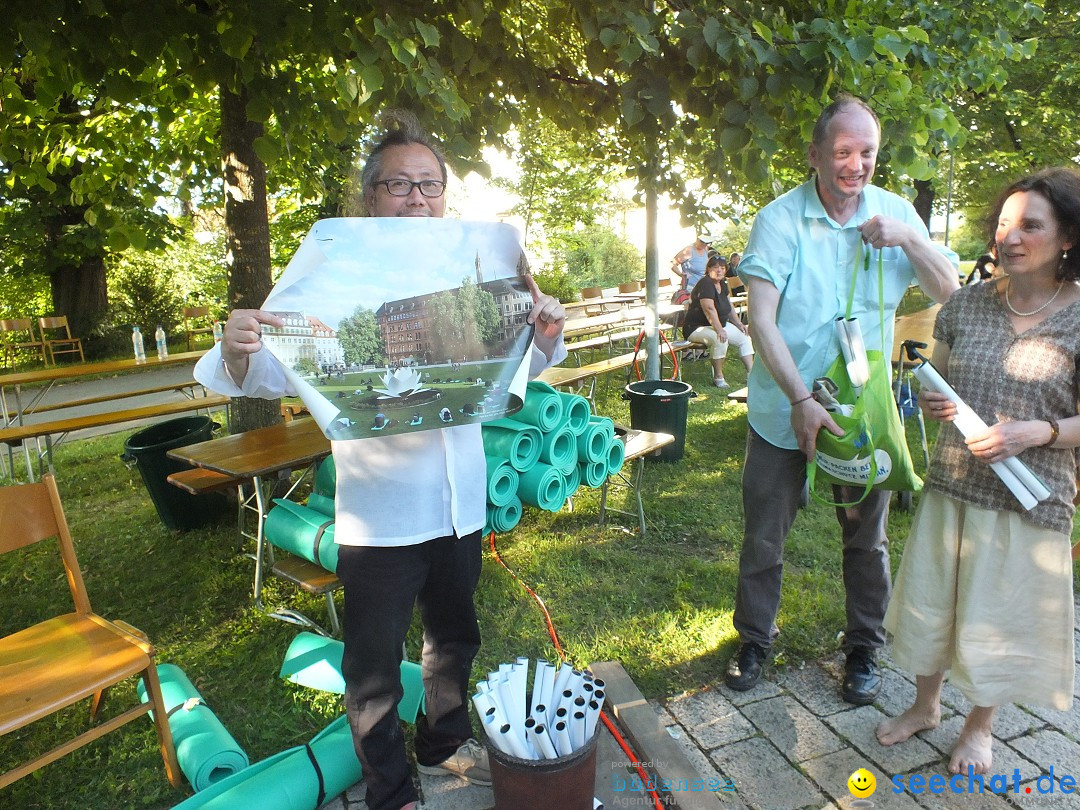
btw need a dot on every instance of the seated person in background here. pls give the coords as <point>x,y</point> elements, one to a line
<point>733,264</point>
<point>711,321</point>
<point>984,270</point>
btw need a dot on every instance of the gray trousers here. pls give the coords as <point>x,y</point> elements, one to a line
<point>773,480</point>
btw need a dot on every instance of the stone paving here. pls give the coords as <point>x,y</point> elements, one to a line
<point>791,743</point>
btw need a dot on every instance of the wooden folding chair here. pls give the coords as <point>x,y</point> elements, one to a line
<point>57,337</point>
<point>66,659</point>
<point>18,335</point>
<point>192,315</point>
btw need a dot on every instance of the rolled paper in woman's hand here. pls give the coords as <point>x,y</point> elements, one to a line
<point>1014,474</point>
<point>849,333</point>
<point>512,440</point>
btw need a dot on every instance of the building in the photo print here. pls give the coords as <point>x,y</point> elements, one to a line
<point>305,338</point>
<point>405,326</point>
<point>514,302</point>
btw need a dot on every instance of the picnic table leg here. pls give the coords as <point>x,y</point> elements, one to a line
<point>261,498</point>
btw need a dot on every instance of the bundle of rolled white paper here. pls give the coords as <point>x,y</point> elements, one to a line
<point>556,719</point>
<point>1014,474</point>
<point>849,333</point>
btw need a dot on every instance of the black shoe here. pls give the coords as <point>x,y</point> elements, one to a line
<point>744,668</point>
<point>862,677</point>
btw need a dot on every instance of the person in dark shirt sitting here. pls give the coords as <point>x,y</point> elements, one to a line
<point>711,320</point>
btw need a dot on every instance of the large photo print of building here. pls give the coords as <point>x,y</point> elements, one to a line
<point>405,325</point>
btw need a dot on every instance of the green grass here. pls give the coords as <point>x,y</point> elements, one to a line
<point>660,604</point>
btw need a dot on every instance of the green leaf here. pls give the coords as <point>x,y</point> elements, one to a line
<point>267,149</point>
<point>762,31</point>
<point>711,31</point>
<point>236,41</point>
<point>118,240</point>
<point>429,33</point>
<point>372,77</point>
<point>259,109</point>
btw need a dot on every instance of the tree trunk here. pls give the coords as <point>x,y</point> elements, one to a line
<point>247,233</point>
<point>81,293</point>
<point>924,200</point>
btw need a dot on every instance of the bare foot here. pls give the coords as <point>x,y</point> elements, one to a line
<point>893,730</point>
<point>974,750</point>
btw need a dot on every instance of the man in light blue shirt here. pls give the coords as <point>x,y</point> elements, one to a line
<point>797,268</point>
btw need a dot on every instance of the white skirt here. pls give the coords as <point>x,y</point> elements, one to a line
<point>989,597</point>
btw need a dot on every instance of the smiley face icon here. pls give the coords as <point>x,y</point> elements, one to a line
<point>862,784</point>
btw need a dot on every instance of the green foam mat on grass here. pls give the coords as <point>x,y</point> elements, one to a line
<point>616,455</point>
<point>559,448</point>
<point>206,751</point>
<point>295,779</point>
<point>542,408</point>
<point>592,444</point>
<point>576,411</point>
<point>593,473</point>
<point>502,482</point>
<point>315,661</point>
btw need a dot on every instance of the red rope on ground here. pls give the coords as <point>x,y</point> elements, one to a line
<point>623,744</point>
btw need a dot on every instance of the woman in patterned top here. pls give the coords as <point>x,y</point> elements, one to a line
<point>984,589</point>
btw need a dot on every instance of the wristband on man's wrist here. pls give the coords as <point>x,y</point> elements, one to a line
<point>1054,433</point>
<point>800,401</point>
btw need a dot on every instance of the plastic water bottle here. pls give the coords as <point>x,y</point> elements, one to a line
<point>219,331</point>
<point>137,342</point>
<point>162,344</point>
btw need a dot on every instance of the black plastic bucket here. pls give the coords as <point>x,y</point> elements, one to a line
<point>148,449</point>
<point>659,406</point>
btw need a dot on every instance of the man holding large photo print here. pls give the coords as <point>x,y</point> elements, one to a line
<point>409,511</point>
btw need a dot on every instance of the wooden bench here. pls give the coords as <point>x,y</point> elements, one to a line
<point>565,376</point>
<point>313,579</point>
<point>639,445</point>
<point>17,434</point>
<point>577,348</point>
<point>739,395</point>
<point>291,410</point>
<point>187,388</point>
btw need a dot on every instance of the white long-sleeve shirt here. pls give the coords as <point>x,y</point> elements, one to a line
<point>392,490</point>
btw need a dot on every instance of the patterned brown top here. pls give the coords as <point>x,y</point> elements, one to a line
<point>1006,376</point>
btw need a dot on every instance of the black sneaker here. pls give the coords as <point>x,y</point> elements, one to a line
<point>744,669</point>
<point>862,676</point>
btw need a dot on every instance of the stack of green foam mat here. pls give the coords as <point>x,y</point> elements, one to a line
<point>206,751</point>
<point>315,661</point>
<point>555,445</point>
<point>300,778</point>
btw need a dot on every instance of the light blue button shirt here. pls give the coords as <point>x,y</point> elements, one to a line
<point>809,258</point>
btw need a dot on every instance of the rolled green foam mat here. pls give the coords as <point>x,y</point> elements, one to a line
<point>543,408</point>
<point>593,473</point>
<point>502,482</point>
<point>302,531</point>
<point>615,456</point>
<point>315,661</point>
<point>206,751</point>
<point>559,448</point>
<point>512,440</point>
<point>321,503</point>
<point>592,444</point>
<point>289,780</point>
<point>571,481</point>
<point>576,411</point>
<point>506,517</point>
<point>326,478</point>
<point>542,486</point>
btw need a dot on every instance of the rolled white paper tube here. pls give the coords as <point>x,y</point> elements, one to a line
<point>497,711</point>
<point>526,734</point>
<point>539,693</point>
<point>562,739</point>
<point>591,716</point>
<point>577,730</point>
<point>482,703</point>
<point>598,683</point>
<point>542,740</point>
<point>516,745</point>
<point>519,679</point>
<point>515,716</point>
<point>491,728</point>
<point>598,696</point>
<point>564,674</point>
<point>540,713</point>
<point>580,703</point>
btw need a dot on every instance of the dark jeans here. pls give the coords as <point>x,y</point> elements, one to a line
<point>773,480</point>
<point>381,586</point>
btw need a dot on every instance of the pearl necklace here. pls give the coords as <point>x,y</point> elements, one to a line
<point>1035,311</point>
